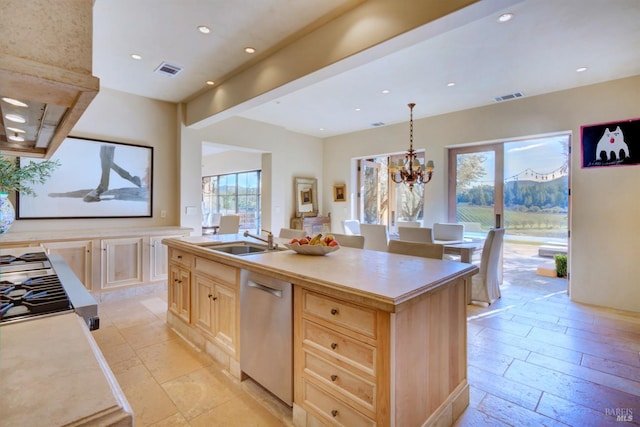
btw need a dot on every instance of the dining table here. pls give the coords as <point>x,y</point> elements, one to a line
<point>465,250</point>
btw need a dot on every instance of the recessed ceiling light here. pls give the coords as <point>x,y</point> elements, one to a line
<point>16,138</point>
<point>450,84</point>
<point>210,82</point>
<point>135,56</point>
<point>15,130</point>
<point>386,91</point>
<point>322,129</point>
<point>250,49</point>
<point>581,69</point>
<point>505,17</point>
<point>204,29</point>
<point>14,102</point>
<point>15,118</point>
<point>357,109</point>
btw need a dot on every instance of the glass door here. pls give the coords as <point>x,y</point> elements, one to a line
<point>374,191</point>
<point>476,199</point>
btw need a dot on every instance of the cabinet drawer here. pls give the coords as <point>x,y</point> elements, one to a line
<point>352,386</point>
<point>351,351</point>
<point>180,257</point>
<point>222,273</point>
<point>356,318</point>
<point>331,409</point>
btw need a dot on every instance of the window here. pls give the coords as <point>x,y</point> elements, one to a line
<point>384,202</point>
<point>234,193</point>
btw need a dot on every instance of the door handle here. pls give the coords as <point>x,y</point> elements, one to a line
<point>275,292</point>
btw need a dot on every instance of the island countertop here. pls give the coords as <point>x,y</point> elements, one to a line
<point>380,279</point>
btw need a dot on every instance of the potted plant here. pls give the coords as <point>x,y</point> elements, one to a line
<point>15,178</point>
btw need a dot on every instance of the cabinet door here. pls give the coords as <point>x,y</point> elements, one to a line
<point>77,255</point>
<point>121,262</point>
<point>173,295</point>
<point>225,312</point>
<point>159,256</point>
<point>179,299</point>
<point>203,296</point>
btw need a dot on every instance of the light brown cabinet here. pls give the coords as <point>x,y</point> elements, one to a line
<point>179,284</point>
<point>78,256</point>
<point>337,360</point>
<point>121,262</point>
<point>216,301</point>
<point>113,261</point>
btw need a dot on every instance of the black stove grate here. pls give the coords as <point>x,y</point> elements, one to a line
<point>32,296</point>
<point>28,257</point>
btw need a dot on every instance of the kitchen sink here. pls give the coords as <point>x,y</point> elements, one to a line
<point>239,248</point>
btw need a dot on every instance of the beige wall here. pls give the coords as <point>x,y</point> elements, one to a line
<point>285,156</point>
<point>231,162</point>
<point>605,202</point>
<point>119,117</point>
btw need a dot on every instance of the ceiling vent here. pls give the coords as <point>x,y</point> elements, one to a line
<point>377,124</point>
<point>168,70</point>
<point>508,97</point>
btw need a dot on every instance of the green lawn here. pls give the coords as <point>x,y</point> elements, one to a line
<point>517,223</point>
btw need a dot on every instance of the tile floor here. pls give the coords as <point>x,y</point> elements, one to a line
<point>169,383</point>
<point>535,358</point>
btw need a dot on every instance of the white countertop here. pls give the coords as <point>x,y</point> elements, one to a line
<point>52,373</point>
<point>383,279</point>
<point>39,236</point>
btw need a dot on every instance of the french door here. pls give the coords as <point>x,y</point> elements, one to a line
<point>476,187</point>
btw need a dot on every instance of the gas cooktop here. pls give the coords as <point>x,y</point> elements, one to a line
<point>31,286</point>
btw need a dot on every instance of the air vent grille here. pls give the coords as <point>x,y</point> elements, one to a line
<point>508,97</point>
<point>168,70</point>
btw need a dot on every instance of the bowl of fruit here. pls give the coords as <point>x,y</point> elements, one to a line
<point>317,245</point>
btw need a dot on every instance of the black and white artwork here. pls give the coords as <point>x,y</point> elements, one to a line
<point>95,179</point>
<point>611,144</point>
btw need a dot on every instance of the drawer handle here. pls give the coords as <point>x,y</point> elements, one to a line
<point>334,345</point>
<point>334,413</point>
<point>334,377</point>
<point>334,311</point>
<point>179,256</point>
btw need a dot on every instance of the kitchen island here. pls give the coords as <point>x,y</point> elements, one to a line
<point>378,338</point>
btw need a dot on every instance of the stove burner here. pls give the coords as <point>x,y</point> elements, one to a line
<point>32,296</point>
<point>28,257</point>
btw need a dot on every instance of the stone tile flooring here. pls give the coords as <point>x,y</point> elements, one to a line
<point>535,358</point>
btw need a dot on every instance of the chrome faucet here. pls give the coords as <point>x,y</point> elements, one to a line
<point>268,240</point>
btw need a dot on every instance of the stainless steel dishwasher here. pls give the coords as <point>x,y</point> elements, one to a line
<point>266,333</point>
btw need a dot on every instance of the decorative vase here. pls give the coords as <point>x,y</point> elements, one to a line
<point>7,213</point>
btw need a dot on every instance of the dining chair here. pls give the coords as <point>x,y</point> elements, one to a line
<point>290,233</point>
<point>351,226</point>
<point>419,234</point>
<point>422,249</point>
<point>485,286</point>
<point>448,233</point>
<point>350,241</point>
<point>414,224</point>
<point>376,237</point>
<point>229,224</point>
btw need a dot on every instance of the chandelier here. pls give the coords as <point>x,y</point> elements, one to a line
<point>411,171</point>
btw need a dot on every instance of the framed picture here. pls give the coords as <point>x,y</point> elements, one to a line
<point>340,193</point>
<point>95,179</point>
<point>611,144</point>
<point>305,197</point>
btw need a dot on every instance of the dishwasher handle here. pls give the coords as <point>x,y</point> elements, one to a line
<point>275,292</point>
